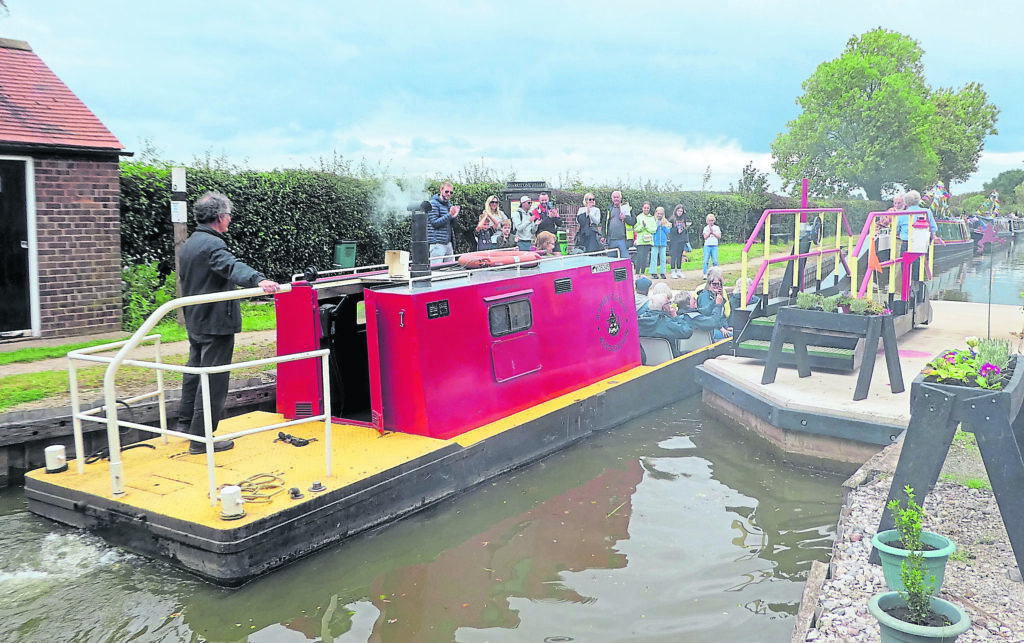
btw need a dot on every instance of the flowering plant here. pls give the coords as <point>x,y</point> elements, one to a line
<point>984,363</point>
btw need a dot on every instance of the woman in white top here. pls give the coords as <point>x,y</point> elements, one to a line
<point>588,219</point>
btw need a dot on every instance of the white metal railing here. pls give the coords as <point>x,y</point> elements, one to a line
<point>121,359</point>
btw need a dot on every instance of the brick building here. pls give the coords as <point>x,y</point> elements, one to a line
<point>60,264</point>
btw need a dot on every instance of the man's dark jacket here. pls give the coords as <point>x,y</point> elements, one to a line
<point>205,266</point>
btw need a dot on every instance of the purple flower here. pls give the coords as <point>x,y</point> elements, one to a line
<point>989,369</point>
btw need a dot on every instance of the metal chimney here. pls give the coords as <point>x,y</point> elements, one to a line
<point>419,266</point>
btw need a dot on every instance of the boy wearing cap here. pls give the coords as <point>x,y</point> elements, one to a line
<point>523,224</point>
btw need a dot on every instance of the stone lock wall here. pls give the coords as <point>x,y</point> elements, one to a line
<point>79,244</point>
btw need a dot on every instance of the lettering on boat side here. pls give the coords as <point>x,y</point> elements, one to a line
<point>437,309</point>
<point>611,333</point>
<point>601,267</point>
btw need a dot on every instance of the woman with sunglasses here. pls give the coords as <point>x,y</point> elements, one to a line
<point>711,300</point>
<point>588,218</point>
<point>489,224</point>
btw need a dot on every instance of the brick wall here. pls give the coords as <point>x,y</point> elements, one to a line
<point>79,244</point>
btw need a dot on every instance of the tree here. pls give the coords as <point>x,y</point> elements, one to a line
<point>753,189</point>
<point>1004,183</point>
<point>961,122</point>
<point>865,121</point>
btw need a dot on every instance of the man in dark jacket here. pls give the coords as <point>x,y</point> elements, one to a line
<point>206,266</point>
<point>441,220</point>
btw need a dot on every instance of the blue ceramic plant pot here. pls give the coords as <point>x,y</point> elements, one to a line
<point>894,630</point>
<point>893,557</point>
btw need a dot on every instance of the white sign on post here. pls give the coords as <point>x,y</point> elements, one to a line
<point>179,213</point>
<point>177,179</point>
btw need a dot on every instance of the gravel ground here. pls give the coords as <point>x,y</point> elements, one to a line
<point>981,577</point>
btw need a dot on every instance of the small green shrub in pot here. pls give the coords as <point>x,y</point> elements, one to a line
<point>858,306</point>
<point>830,304</point>
<point>807,300</point>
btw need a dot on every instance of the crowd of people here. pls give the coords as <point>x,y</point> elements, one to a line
<point>659,241</point>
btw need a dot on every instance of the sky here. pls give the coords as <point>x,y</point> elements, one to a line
<point>607,93</point>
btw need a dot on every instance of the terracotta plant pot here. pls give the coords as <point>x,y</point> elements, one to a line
<point>893,557</point>
<point>894,630</point>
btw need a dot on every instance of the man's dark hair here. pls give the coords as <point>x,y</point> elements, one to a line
<point>210,206</point>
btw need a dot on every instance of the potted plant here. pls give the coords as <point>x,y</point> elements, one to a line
<point>896,545</point>
<point>913,613</point>
<point>985,363</point>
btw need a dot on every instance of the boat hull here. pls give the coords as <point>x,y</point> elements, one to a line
<point>232,555</point>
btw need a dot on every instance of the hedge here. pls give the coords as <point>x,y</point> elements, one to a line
<point>286,220</point>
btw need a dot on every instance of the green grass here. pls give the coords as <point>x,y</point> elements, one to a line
<point>965,439</point>
<point>970,483</point>
<point>28,387</point>
<point>254,317</point>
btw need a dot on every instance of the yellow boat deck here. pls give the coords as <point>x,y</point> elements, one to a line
<point>168,481</point>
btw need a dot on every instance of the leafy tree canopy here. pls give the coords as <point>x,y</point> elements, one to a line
<point>869,122</point>
<point>1004,183</point>
<point>961,123</point>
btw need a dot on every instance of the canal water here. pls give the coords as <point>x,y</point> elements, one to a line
<point>673,527</point>
<point>995,277</point>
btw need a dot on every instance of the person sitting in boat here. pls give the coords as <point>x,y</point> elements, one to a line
<point>504,238</point>
<point>545,244</point>
<point>716,324</point>
<point>711,300</point>
<point>490,221</point>
<point>641,288</point>
<point>662,320</point>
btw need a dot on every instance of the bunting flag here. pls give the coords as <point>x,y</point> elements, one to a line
<point>990,208</point>
<point>938,201</point>
<point>873,262</point>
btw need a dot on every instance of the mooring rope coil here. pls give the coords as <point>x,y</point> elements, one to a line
<point>261,487</point>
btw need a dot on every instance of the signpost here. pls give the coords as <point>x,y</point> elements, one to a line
<point>179,217</point>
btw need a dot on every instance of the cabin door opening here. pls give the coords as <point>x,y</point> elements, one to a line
<point>15,282</point>
<point>344,327</point>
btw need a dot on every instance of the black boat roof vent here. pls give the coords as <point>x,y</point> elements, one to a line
<point>621,274</point>
<point>563,285</point>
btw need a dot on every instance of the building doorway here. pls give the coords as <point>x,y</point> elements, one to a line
<point>15,246</point>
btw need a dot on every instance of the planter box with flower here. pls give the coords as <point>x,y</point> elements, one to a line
<point>815,315</point>
<point>979,389</point>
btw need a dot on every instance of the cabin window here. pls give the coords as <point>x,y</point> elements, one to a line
<point>510,317</point>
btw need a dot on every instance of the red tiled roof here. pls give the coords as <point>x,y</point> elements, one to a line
<point>37,108</point>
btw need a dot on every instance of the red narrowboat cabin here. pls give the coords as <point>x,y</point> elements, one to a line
<point>460,350</point>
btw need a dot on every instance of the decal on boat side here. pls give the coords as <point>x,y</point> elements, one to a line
<point>612,335</point>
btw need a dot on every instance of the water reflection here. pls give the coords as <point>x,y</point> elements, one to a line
<point>1001,270</point>
<point>672,527</point>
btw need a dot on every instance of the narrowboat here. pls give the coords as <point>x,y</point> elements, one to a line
<point>396,389</point>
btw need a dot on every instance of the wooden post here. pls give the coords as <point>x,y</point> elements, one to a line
<point>179,218</point>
